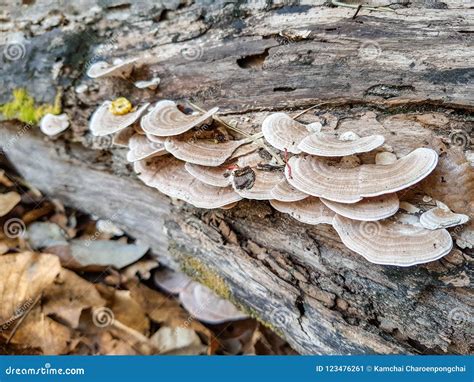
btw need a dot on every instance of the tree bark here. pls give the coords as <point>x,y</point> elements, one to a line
<point>406,74</point>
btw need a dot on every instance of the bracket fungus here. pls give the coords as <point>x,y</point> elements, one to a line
<point>323,145</point>
<point>206,306</point>
<point>149,84</point>
<point>165,119</point>
<point>309,210</point>
<point>103,122</point>
<point>285,192</point>
<point>440,217</point>
<point>202,151</point>
<point>169,176</point>
<point>141,148</point>
<point>120,68</point>
<point>170,281</point>
<point>214,176</point>
<point>314,176</point>
<point>52,124</point>
<point>391,242</point>
<point>259,186</point>
<point>283,132</point>
<point>369,209</point>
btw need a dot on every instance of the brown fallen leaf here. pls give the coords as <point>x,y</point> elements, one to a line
<point>40,331</point>
<point>24,277</point>
<point>168,339</point>
<point>68,296</point>
<point>8,201</point>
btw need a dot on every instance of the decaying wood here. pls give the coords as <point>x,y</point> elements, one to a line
<point>407,75</point>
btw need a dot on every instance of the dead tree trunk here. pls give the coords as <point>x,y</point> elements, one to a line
<point>406,74</point>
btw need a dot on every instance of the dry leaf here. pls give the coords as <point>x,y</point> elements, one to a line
<point>68,296</point>
<point>24,277</point>
<point>168,339</point>
<point>8,201</point>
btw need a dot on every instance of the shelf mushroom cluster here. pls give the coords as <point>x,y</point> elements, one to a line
<point>188,155</point>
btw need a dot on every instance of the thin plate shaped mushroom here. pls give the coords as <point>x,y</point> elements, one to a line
<point>391,242</point>
<point>169,176</point>
<point>257,187</point>
<point>442,218</point>
<point>283,132</point>
<point>314,176</point>
<point>171,281</point>
<point>141,148</point>
<point>368,209</point>
<point>285,192</point>
<point>321,144</point>
<point>103,122</point>
<point>52,124</point>
<point>120,68</point>
<point>309,210</point>
<point>165,119</point>
<point>202,151</point>
<point>206,306</point>
<point>214,176</point>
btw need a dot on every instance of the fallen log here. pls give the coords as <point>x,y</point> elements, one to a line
<point>381,72</point>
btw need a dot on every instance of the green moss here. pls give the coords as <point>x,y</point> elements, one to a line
<point>24,108</point>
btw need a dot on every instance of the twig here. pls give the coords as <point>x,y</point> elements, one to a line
<point>357,12</point>
<point>306,110</point>
<point>22,318</point>
<point>342,4</point>
<point>245,134</point>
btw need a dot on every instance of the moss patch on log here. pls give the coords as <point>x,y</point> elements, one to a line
<point>24,108</point>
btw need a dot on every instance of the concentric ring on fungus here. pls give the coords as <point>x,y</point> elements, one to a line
<point>309,210</point>
<point>390,242</point>
<point>169,176</point>
<point>165,120</point>
<point>141,148</point>
<point>202,151</point>
<point>314,176</point>
<point>368,209</point>
<point>321,144</point>
<point>283,132</point>
<point>103,122</point>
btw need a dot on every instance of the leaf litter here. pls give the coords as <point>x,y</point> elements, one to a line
<point>75,284</point>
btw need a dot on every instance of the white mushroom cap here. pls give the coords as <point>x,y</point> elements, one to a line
<point>391,242</point>
<point>206,306</point>
<point>141,148</point>
<point>118,69</point>
<point>285,192</point>
<point>262,187</point>
<point>169,176</point>
<point>215,176</point>
<point>313,176</point>
<point>103,122</point>
<point>326,146</point>
<point>165,119</point>
<point>171,281</point>
<point>439,217</point>
<point>385,157</point>
<point>202,151</point>
<point>309,210</point>
<point>52,124</point>
<point>150,84</point>
<point>283,132</point>
<point>369,209</point>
